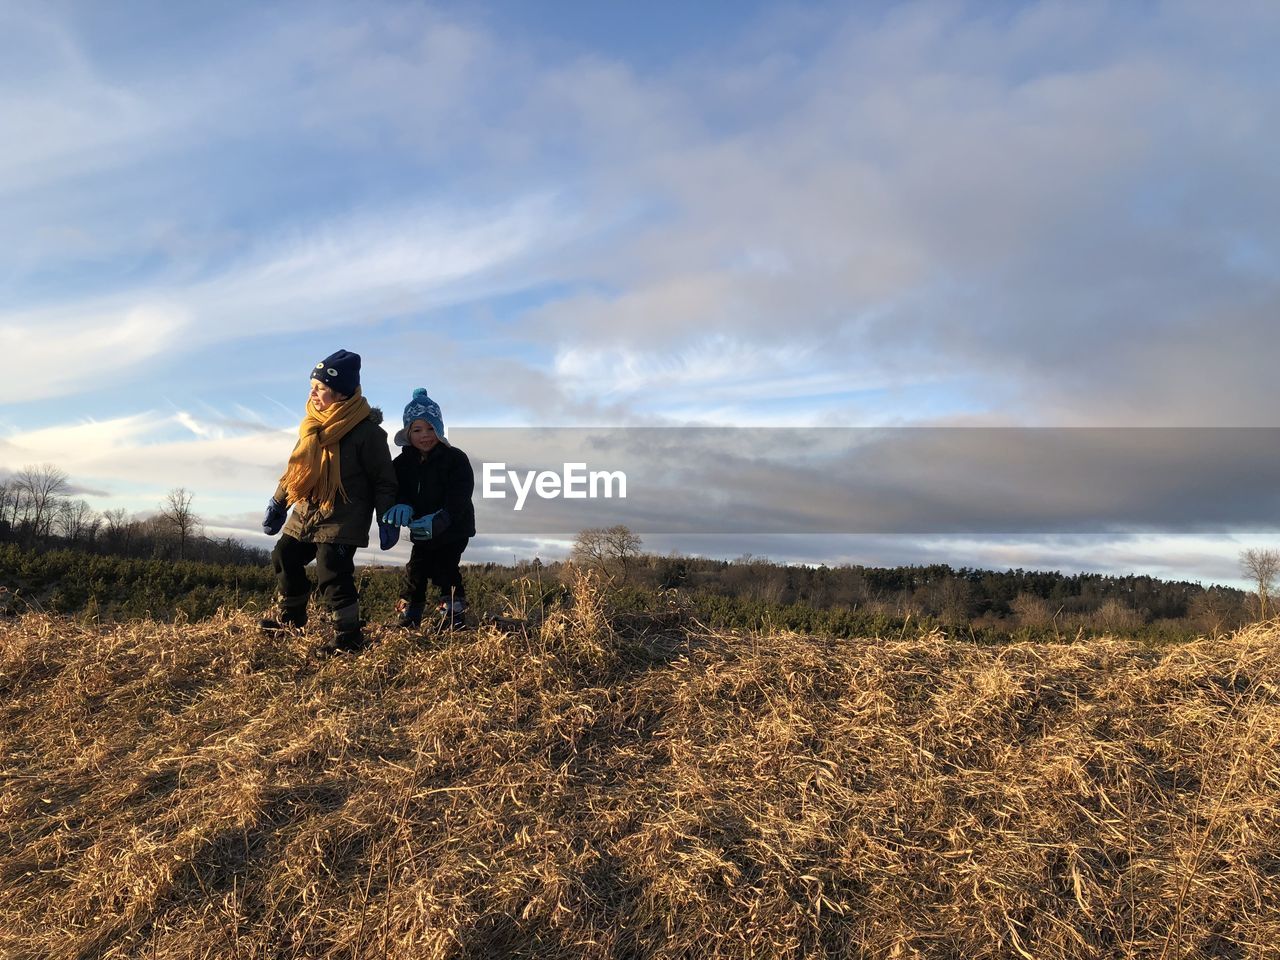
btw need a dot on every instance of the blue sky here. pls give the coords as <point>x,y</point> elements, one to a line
<point>1058,213</point>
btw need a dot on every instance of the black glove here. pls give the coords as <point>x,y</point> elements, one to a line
<point>388,535</point>
<point>441,522</point>
<point>275,516</point>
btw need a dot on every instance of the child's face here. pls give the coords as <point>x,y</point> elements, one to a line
<point>422,435</point>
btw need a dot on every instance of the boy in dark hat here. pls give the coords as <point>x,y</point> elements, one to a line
<point>435,483</point>
<point>338,476</point>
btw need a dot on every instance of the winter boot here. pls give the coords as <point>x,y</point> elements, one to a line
<point>348,637</point>
<point>453,614</point>
<point>410,616</point>
<point>292,616</point>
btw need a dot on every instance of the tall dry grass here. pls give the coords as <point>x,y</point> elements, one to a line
<point>195,790</point>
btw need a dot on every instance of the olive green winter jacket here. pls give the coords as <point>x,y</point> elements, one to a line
<point>369,480</point>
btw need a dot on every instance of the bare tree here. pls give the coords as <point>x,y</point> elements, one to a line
<point>1262,567</point>
<point>118,529</point>
<point>1031,611</point>
<point>954,599</point>
<point>8,497</point>
<point>77,520</point>
<point>19,506</point>
<point>1116,617</point>
<point>623,546</point>
<point>176,510</point>
<point>115,520</point>
<point>607,548</point>
<point>40,487</point>
<point>590,547</point>
<point>1216,611</point>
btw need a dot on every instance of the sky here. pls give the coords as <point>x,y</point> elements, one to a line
<point>572,214</point>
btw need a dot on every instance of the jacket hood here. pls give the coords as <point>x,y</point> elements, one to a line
<point>375,414</point>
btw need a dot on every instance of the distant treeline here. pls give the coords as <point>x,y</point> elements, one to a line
<point>38,511</point>
<point>954,596</point>
<point>748,593</point>
<point>983,604</point>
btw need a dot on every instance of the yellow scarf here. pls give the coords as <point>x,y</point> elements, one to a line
<point>315,472</point>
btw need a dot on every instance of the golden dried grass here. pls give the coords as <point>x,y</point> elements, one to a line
<point>195,790</point>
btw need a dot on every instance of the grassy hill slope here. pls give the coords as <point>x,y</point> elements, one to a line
<point>195,790</point>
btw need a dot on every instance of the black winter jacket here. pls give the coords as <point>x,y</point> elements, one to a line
<point>441,479</point>
<point>369,482</point>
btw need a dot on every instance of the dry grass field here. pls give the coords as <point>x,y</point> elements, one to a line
<point>588,789</point>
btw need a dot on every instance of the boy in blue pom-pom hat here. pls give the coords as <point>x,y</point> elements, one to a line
<point>434,501</point>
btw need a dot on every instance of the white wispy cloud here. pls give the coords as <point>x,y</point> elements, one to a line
<point>360,269</point>
<point>138,457</point>
<point>49,352</point>
<point>60,116</point>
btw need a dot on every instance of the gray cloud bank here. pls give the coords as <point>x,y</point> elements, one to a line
<point>879,481</point>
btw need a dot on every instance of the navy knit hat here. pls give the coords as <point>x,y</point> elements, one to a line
<point>421,407</point>
<point>339,371</point>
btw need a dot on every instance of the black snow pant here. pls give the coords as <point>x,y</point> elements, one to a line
<point>436,563</point>
<point>335,573</point>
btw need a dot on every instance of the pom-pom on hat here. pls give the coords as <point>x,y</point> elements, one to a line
<point>421,407</point>
<point>339,371</point>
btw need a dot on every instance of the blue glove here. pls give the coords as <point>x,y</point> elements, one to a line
<point>399,515</point>
<point>420,529</point>
<point>441,522</point>
<point>388,535</point>
<point>275,516</point>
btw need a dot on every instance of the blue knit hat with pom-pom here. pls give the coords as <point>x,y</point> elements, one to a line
<point>421,407</point>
